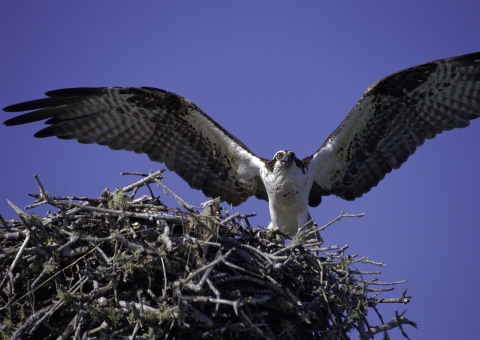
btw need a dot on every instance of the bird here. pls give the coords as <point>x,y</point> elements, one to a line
<point>393,117</point>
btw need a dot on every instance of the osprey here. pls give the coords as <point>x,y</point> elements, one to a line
<point>392,118</point>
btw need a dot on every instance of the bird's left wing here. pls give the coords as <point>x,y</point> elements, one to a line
<point>392,118</point>
<point>167,127</point>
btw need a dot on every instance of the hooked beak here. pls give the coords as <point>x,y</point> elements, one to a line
<point>287,160</point>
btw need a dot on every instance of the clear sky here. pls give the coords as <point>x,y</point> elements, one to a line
<point>278,75</point>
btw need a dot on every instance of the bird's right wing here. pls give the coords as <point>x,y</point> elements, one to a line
<point>167,127</point>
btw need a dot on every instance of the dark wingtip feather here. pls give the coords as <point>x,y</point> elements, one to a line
<point>11,122</point>
<point>76,91</point>
<point>49,108</point>
<point>18,107</point>
<point>57,98</point>
<point>26,118</point>
<point>38,104</point>
<point>47,132</point>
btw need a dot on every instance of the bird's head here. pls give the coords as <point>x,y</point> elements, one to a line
<point>284,158</point>
<point>285,161</point>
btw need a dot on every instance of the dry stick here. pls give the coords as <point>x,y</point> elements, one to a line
<point>129,225</point>
<point>72,240</point>
<point>5,224</point>
<point>402,300</point>
<point>153,296</point>
<point>136,173</point>
<point>104,256</point>
<point>184,204</point>
<point>11,235</point>
<point>217,294</point>
<point>135,330</point>
<point>342,215</point>
<point>267,256</point>
<point>380,290</point>
<point>43,193</point>
<point>70,212</point>
<point>196,240</point>
<point>164,293</point>
<point>396,322</point>
<point>234,304</point>
<point>397,317</point>
<point>220,258</point>
<point>365,259</point>
<point>102,326</point>
<point>17,209</point>
<point>338,218</point>
<point>72,198</point>
<point>362,272</point>
<point>229,218</point>
<point>151,178</point>
<point>79,325</point>
<point>373,282</point>
<point>91,239</point>
<point>70,328</point>
<point>244,270</point>
<point>129,305</point>
<point>288,247</point>
<point>301,232</point>
<point>146,216</point>
<point>199,286</point>
<point>17,258</point>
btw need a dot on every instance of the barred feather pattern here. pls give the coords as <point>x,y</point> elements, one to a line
<point>394,117</point>
<point>161,124</point>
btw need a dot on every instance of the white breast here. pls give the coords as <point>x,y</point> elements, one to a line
<point>287,189</point>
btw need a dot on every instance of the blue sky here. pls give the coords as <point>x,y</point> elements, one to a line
<point>278,75</point>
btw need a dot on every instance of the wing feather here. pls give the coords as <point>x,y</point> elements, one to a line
<point>394,117</point>
<point>167,127</point>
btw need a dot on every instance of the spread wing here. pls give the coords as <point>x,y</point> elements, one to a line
<point>393,117</point>
<point>167,127</point>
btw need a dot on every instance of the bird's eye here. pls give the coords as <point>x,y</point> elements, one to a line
<point>279,155</point>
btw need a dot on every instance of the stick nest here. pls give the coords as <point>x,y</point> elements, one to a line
<point>120,267</point>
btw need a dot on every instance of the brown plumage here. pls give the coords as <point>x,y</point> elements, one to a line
<point>403,110</point>
<point>159,123</point>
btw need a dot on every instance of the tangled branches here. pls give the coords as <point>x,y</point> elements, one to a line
<point>117,267</point>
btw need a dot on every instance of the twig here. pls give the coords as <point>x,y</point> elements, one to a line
<point>184,204</point>
<point>396,322</point>
<point>17,258</point>
<point>150,178</point>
